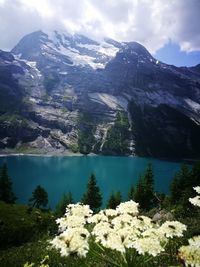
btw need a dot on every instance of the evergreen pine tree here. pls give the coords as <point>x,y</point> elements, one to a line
<point>181,186</point>
<point>6,193</point>
<point>175,189</point>
<point>139,192</point>
<point>92,196</point>
<point>195,175</point>
<point>118,198</point>
<point>114,200</point>
<point>61,206</point>
<point>131,193</point>
<point>149,197</point>
<point>111,201</point>
<point>39,197</point>
<point>144,191</point>
<point>181,189</point>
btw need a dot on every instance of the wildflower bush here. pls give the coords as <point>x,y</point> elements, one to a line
<point>120,236</point>
<point>190,254</point>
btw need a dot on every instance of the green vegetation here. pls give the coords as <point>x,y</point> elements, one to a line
<point>34,251</point>
<point>144,191</point>
<point>131,193</point>
<point>118,136</point>
<point>114,200</point>
<point>86,132</point>
<point>6,193</point>
<point>23,148</point>
<point>61,206</point>
<point>17,121</point>
<point>39,197</point>
<point>74,148</point>
<point>182,188</point>
<point>19,224</point>
<point>92,196</point>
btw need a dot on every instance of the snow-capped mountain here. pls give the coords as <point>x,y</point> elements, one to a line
<point>62,90</point>
<point>67,49</point>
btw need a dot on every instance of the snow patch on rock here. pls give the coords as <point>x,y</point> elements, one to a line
<point>192,104</point>
<point>102,48</point>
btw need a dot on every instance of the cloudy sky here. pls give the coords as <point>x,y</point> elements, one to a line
<point>167,28</point>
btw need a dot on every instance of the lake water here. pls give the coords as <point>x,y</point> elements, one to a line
<point>62,174</point>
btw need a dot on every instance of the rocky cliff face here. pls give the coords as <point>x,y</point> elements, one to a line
<point>60,91</point>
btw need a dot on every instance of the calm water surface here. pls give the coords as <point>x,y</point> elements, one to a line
<point>62,174</point>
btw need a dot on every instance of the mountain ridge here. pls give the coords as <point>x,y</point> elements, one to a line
<point>80,94</point>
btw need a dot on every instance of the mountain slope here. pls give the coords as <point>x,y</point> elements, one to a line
<point>77,93</point>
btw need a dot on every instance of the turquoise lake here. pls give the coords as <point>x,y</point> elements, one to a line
<point>62,174</point>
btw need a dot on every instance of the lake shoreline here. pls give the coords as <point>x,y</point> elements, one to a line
<point>55,153</point>
<point>41,155</point>
<point>68,153</point>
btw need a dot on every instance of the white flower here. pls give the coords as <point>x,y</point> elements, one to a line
<point>70,222</point>
<point>195,201</point>
<point>117,240</point>
<point>172,228</point>
<point>113,241</point>
<point>195,241</point>
<point>74,240</point>
<point>102,228</point>
<point>129,207</point>
<point>149,245</point>
<point>191,253</point>
<point>142,223</point>
<point>121,220</point>
<point>197,189</point>
<point>99,217</point>
<point>128,235</point>
<point>110,212</point>
<point>108,237</point>
<point>79,210</point>
<point>154,234</point>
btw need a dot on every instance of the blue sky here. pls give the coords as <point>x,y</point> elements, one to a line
<point>172,54</point>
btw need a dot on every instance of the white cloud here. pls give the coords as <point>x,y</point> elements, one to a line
<point>150,22</point>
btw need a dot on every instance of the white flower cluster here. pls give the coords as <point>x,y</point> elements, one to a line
<point>74,237</point>
<point>171,229</point>
<point>129,207</point>
<point>76,215</point>
<point>117,229</point>
<point>191,253</point>
<point>126,229</point>
<point>196,200</point>
<point>71,241</point>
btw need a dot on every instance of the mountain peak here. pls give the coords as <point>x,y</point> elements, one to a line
<point>136,49</point>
